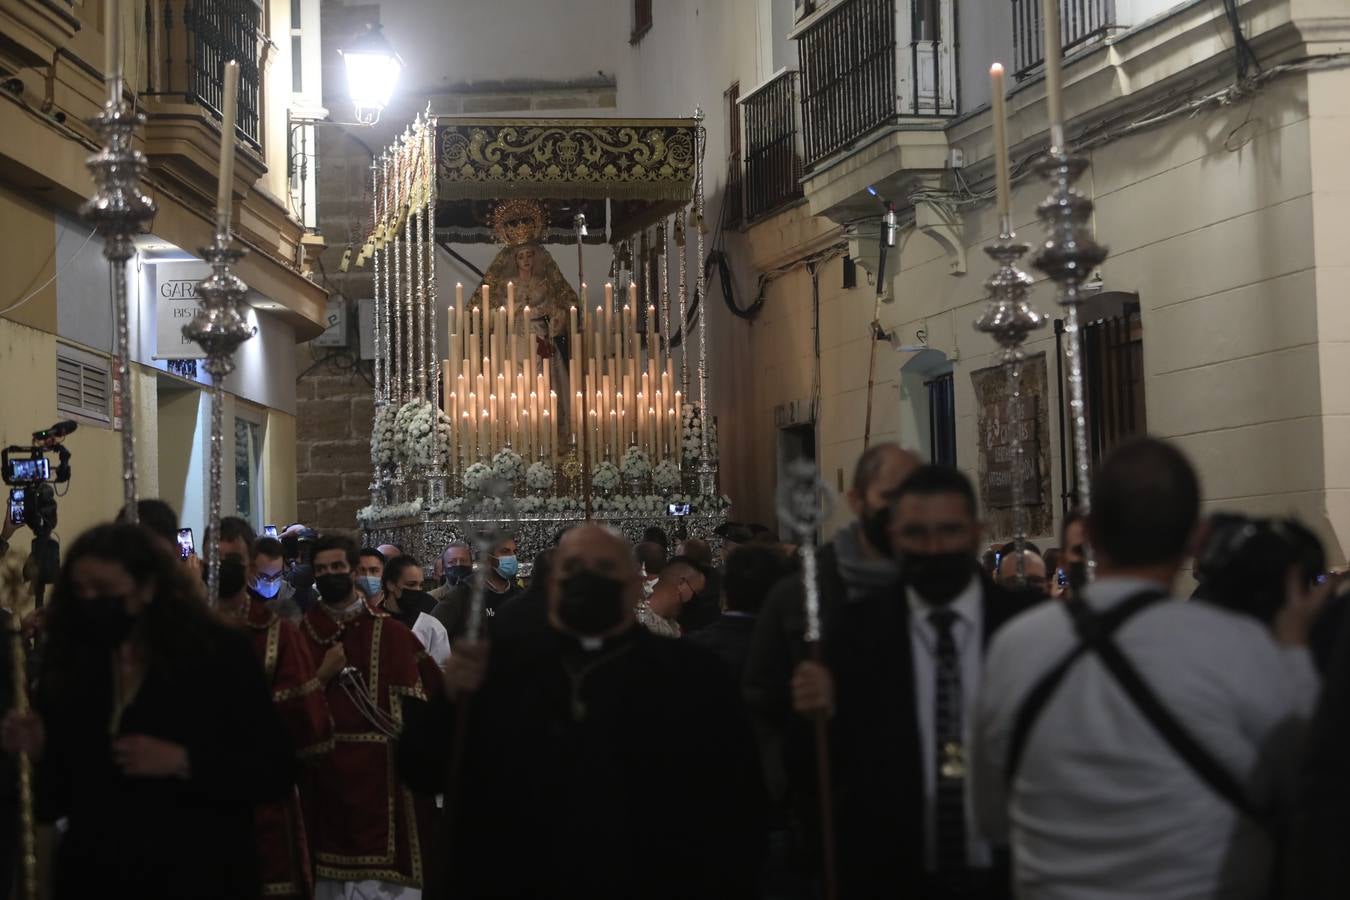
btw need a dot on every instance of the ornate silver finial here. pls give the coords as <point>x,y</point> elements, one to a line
<point>803,507</point>
<point>219,328</point>
<point>1068,256</point>
<point>120,210</point>
<point>1009,318</point>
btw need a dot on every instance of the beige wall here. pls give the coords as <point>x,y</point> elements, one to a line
<point>279,469</point>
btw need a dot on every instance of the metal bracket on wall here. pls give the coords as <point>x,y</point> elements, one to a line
<point>944,225</point>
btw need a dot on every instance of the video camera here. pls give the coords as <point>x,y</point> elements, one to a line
<point>32,500</point>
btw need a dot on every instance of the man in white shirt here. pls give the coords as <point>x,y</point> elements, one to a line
<point>1099,805</point>
<point>901,673</point>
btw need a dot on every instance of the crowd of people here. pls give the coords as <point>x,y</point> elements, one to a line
<point>646,720</point>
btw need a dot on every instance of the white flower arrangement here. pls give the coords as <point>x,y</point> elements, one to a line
<point>666,475</point>
<point>476,475</point>
<point>539,476</point>
<point>413,443</point>
<point>605,478</point>
<point>564,506</point>
<point>372,514</point>
<point>530,505</point>
<point>451,507</point>
<point>508,466</point>
<point>383,449</point>
<point>635,463</point>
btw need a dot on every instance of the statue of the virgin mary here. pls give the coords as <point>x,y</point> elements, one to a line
<point>539,285</point>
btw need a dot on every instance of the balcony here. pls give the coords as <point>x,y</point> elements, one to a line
<point>188,43</point>
<point>773,156</point>
<point>1080,22</point>
<point>868,64</point>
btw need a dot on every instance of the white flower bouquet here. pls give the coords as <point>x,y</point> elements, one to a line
<point>476,476</point>
<point>530,505</point>
<point>564,506</point>
<point>605,478</point>
<point>450,507</point>
<point>508,466</point>
<point>666,475</point>
<point>384,452</point>
<point>635,464</point>
<point>539,476</point>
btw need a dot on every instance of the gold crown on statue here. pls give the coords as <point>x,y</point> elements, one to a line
<point>517,222</point>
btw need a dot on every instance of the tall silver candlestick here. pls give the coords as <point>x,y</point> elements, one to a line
<point>219,328</point>
<point>802,509</point>
<point>707,469</point>
<point>1068,256</point>
<point>120,210</point>
<point>1009,318</point>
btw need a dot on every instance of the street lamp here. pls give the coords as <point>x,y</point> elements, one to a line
<point>373,68</point>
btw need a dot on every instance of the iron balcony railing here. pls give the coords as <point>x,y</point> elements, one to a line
<point>867,63</point>
<point>773,156</point>
<point>1080,21</point>
<point>189,42</point>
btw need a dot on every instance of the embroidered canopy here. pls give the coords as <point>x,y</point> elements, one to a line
<point>624,173</point>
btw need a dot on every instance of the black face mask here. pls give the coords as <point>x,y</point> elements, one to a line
<point>233,575</point>
<point>457,575</point>
<point>335,587</point>
<point>107,622</point>
<point>938,577</point>
<point>590,603</point>
<point>874,524</point>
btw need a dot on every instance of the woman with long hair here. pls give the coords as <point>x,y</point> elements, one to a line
<point>154,730</point>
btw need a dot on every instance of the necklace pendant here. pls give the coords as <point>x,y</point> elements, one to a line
<point>953,761</point>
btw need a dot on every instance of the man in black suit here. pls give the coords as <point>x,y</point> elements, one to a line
<point>899,684</point>
<point>751,572</point>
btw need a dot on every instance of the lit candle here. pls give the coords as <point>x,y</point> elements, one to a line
<point>578,414</point>
<point>225,190</point>
<point>466,426</point>
<point>486,303</point>
<point>550,429</point>
<point>674,445</point>
<point>492,421</point>
<point>483,442</point>
<point>651,430</point>
<point>526,433</point>
<point>1054,97</point>
<point>593,429</point>
<point>609,313</point>
<point>459,294</point>
<point>1002,176</point>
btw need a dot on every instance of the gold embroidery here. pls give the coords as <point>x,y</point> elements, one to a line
<point>273,647</point>
<point>302,690</point>
<point>377,630</point>
<point>319,749</point>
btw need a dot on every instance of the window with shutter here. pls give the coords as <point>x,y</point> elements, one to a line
<point>83,384</point>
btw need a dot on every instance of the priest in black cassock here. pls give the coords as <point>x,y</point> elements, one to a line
<point>600,761</point>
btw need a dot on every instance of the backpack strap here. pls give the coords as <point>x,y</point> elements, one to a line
<point>1030,711</point>
<point>1183,743</point>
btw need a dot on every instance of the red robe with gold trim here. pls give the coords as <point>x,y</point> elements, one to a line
<point>283,848</point>
<point>366,824</point>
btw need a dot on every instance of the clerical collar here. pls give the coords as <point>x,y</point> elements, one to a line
<point>347,612</point>
<point>587,646</point>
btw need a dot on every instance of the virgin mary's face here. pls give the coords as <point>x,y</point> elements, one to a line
<point>525,262</point>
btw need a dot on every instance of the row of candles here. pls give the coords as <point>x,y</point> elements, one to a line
<point>499,391</point>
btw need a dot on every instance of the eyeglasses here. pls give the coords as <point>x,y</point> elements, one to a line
<point>269,579</point>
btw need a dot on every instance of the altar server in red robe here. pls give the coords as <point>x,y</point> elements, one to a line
<point>283,847</point>
<point>370,832</point>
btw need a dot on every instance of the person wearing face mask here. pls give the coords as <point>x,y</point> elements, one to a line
<point>371,836</point>
<point>592,743</point>
<point>401,596</point>
<point>899,680</point>
<point>283,847</point>
<point>153,730</point>
<point>267,580</point>
<point>454,568</point>
<point>499,588</point>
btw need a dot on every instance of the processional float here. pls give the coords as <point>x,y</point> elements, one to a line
<point>586,401</point>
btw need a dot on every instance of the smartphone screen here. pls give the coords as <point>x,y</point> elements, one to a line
<point>29,469</point>
<point>186,547</point>
<point>269,531</point>
<point>1061,578</point>
<point>678,509</point>
<point>16,497</point>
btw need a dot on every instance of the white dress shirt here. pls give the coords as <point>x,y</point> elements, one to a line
<point>967,631</point>
<point>435,639</point>
<point>1102,808</point>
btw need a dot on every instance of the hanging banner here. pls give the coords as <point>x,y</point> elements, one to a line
<point>998,419</point>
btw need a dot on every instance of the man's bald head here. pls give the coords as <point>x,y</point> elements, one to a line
<point>390,551</point>
<point>594,550</point>
<point>1034,567</point>
<point>880,470</point>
